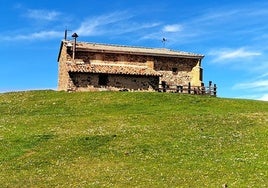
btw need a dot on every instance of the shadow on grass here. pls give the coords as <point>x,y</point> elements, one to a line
<point>17,147</point>
<point>94,145</point>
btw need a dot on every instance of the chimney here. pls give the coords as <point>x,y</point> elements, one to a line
<point>74,46</point>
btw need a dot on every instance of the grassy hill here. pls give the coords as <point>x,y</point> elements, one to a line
<point>124,139</point>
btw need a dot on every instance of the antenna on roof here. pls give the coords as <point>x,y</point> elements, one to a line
<point>164,40</point>
<point>66,33</point>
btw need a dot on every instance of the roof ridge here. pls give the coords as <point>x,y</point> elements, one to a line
<point>129,47</point>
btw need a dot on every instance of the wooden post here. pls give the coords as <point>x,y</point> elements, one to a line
<point>164,85</point>
<point>210,83</point>
<point>203,89</point>
<point>179,89</point>
<point>215,90</point>
<point>210,87</point>
<point>189,88</point>
<point>195,91</point>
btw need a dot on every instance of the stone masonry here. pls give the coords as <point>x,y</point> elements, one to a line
<point>97,67</point>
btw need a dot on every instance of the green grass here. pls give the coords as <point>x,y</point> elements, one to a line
<point>124,139</point>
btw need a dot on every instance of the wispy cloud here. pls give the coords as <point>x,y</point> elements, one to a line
<point>263,97</point>
<point>41,14</point>
<point>257,88</point>
<point>214,25</point>
<point>259,85</point>
<point>188,30</point>
<point>232,54</point>
<point>234,25</point>
<point>110,25</point>
<point>115,24</point>
<point>34,36</point>
<point>263,75</point>
<point>95,26</point>
<point>172,28</point>
<point>135,27</point>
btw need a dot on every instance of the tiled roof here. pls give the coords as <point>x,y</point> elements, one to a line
<point>112,69</point>
<point>108,48</point>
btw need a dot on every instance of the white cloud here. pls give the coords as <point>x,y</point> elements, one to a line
<point>113,24</point>
<point>264,97</point>
<point>259,85</point>
<point>172,28</point>
<point>232,54</point>
<point>93,26</point>
<point>128,27</point>
<point>35,35</point>
<point>263,76</point>
<point>256,89</point>
<point>116,23</point>
<point>40,14</point>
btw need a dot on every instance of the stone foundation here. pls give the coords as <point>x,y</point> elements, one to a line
<point>97,82</point>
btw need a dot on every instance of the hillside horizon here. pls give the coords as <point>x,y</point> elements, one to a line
<point>131,139</point>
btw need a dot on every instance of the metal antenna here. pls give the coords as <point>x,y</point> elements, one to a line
<point>164,40</point>
<point>66,33</point>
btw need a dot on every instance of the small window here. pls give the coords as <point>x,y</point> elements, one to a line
<point>174,70</point>
<point>103,79</point>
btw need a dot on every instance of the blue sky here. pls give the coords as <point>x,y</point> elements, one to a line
<point>233,36</point>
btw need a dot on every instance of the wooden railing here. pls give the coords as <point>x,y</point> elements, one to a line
<point>188,89</point>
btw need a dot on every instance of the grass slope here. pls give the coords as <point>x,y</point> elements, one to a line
<point>123,139</point>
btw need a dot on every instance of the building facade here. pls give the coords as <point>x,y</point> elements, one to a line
<point>95,67</point>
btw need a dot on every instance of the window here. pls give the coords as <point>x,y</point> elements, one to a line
<point>103,79</point>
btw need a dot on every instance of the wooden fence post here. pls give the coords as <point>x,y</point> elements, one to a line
<point>203,89</point>
<point>179,89</point>
<point>189,87</point>
<point>164,86</point>
<point>210,87</point>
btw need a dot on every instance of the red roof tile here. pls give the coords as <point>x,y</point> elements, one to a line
<point>112,69</point>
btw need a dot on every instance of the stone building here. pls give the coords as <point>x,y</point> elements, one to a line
<point>95,67</point>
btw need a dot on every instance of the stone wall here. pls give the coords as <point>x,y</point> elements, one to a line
<point>174,71</point>
<point>63,77</point>
<point>110,58</point>
<point>91,82</point>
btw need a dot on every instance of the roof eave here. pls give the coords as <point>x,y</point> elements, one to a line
<point>141,53</point>
<point>134,74</point>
